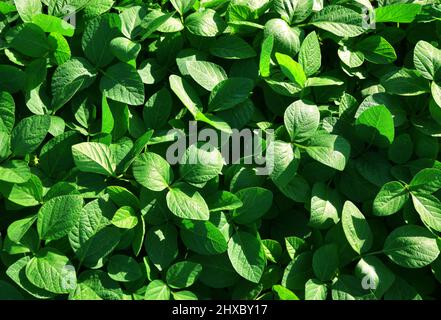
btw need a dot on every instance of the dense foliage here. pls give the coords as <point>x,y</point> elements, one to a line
<point>90,207</point>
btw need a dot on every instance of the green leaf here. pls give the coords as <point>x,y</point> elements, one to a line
<point>325,206</point>
<point>14,79</point>
<point>283,293</point>
<point>356,228</point>
<point>231,47</point>
<point>7,112</point>
<point>15,171</point>
<point>315,290</point>
<point>229,93</point>
<point>157,109</point>
<point>301,120</point>
<point>157,290</point>
<point>124,49</point>
<point>256,202</point>
<point>298,272</point>
<point>429,209</point>
<point>339,20</point>
<point>161,245</point>
<point>427,180</point>
<point>310,57</point>
<point>411,246</point>
<point>125,218</point>
<point>206,74</point>
<point>246,255</point>
<point>377,50</point>
<point>390,199</point>
<point>380,277</point>
<point>97,36</point>
<point>405,82</point>
<point>53,24</point>
<point>58,216</point>
<point>205,23</point>
<point>30,40</point>
<point>292,69</point>
<point>27,9</point>
<point>265,56</point>
<point>182,6</point>
<point>427,60</point>
<point>122,82</point>
<point>69,78</point>
<point>187,203</point>
<point>200,164</point>
<point>123,268</point>
<point>183,274</point>
<point>398,12</point>
<point>325,262</point>
<point>186,94</point>
<point>94,157</point>
<point>375,126</point>
<point>28,134</point>
<point>152,171</point>
<point>330,150</point>
<point>223,201</point>
<point>293,10</point>
<point>52,271</point>
<point>203,237</point>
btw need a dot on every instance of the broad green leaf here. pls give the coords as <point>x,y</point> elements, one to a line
<point>58,216</point>
<point>183,274</point>
<point>397,12</point>
<point>325,262</point>
<point>94,157</point>
<point>339,20</point>
<point>124,49</point>
<point>292,69</point>
<point>379,275</point>
<point>28,134</point>
<point>325,206</point>
<point>203,237</point>
<point>356,228</point>
<point>256,202</point>
<point>186,94</point>
<point>375,126</point>
<point>293,10</point>
<point>411,246</point>
<point>27,9</point>
<point>206,74</point>
<point>390,199</point>
<point>246,255</point>
<point>157,290</point>
<point>232,47</point>
<point>298,272</point>
<point>265,56</point>
<point>229,93</point>
<point>122,82</point>
<point>426,181</point>
<point>283,293</point>
<point>182,6</point>
<point>427,60</point>
<point>301,120</point>
<point>30,40</point>
<point>125,218</point>
<point>187,203</point>
<point>7,112</point>
<point>53,24</point>
<point>97,36</point>
<point>152,171</point>
<point>69,78</point>
<point>200,164</point>
<point>123,268</point>
<point>429,209</point>
<point>161,245</point>
<point>223,201</point>
<point>52,271</point>
<point>287,39</point>
<point>310,57</point>
<point>377,50</point>
<point>330,150</point>
<point>205,23</point>
<point>405,82</point>
<point>315,290</point>
<point>15,171</point>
